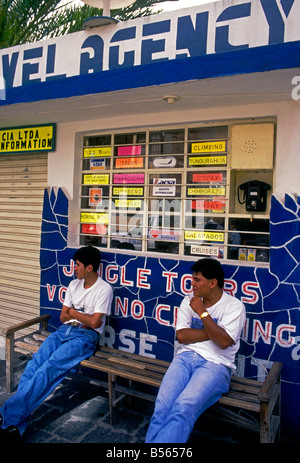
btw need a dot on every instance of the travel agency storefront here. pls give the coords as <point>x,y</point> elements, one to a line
<point>160,140</point>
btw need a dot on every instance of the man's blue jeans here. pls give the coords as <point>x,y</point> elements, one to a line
<point>190,386</point>
<point>60,352</point>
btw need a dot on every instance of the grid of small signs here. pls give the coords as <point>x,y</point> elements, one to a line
<point>167,191</point>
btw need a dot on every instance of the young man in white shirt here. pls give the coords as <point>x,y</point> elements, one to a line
<point>87,302</point>
<point>208,328</point>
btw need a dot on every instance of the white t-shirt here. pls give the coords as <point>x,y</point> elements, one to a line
<point>96,299</point>
<point>229,313</point>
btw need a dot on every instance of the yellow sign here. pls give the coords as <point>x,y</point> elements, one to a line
<point>204,236</point>
<point>25,139</point>
<point>128,191</point>
<point>207,160</point>
<point>206,191</point>
<point>209,147</point>
<point>96,152</point>
<point>96,179</point>
<point>93,217</point>
<point>128,203</point>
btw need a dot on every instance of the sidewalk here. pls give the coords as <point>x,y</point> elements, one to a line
<point>77,412</point>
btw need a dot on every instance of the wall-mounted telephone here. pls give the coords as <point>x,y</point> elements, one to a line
<point>255,195</point>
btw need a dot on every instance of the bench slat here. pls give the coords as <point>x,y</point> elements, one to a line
<point>141,361</point>
<point>225,400</point>
<point>120,369</point>
<point>30,348</point>
<point>242,396</point>
<point>148,360</point>
<point>146,379</point>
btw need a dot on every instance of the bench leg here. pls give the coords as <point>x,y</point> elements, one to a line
<point>10,361</point>
<point>270,416</point>
<point>111,396</point>
<point>269,424</point>
<point>264,424</point>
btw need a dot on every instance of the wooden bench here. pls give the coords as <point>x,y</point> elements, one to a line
<point>261,399</point>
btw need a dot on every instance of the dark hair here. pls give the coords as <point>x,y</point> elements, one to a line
<point>88,255</point>
<point>210,268</point>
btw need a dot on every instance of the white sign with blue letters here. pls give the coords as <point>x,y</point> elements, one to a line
<point>223,26</point>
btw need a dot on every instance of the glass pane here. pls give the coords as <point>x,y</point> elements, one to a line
<point>247,239</point>
<point>126,224</point>
<point>165,185</point>
<point>165,206</point>
<point>126,231</point>
<point>92,241</point>
<point>209,146</point>
<point>162,246</point>
<point>166,136</point>
<point>208,133</point>
<point>166,162</point>
<point>205,236</point>
<point>130,138</point>
<point>130,144</point>
<point>97,140</point>
<point>96,164</point>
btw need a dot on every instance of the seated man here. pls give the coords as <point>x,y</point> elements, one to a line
<point>87,302</point>
<point>208,328</point>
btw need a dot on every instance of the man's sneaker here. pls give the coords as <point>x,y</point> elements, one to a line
<point>10,434</point>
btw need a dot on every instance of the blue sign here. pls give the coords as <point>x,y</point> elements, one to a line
<point>148,292</point>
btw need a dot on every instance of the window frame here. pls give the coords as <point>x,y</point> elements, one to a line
<point>186,171</point>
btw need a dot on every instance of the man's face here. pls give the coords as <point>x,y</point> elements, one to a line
<point>80,270</point>
<point>201,285</point>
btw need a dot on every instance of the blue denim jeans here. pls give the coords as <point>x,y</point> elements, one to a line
<point>190,386</point>
<point>60,352</point>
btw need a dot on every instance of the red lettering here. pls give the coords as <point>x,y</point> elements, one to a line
<point>158,311</point>
<point>258,331</point>
<point>141,278</point>
<point>279,335</point>
<point>141,310</point>
<point>170,276</point>
<point>122,307</point>
<point>51,291</point>
<point>184,288</point>
<point>62,294</point>
<point>114,278</point>
<point>230,287</point>
<point>70,272</point>
<point>253,296</point>
<point>123,277</point>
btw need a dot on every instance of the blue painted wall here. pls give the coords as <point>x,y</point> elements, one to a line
<point>148,291</point>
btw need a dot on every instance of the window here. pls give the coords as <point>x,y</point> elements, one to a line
<point>200,191</point>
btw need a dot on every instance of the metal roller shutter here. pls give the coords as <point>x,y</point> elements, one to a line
<point>23,179</point>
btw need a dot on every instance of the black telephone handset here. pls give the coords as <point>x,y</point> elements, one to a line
<point>255,195</point>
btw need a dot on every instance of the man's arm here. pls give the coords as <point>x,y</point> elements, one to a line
<point>211,330</point>
<point>92,321</point>
<point>191,335</point>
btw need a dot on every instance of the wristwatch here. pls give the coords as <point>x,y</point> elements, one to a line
<point>204,314</point>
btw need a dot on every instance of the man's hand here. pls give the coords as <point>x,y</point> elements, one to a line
<point>213,331</point>
<point>197,305</point>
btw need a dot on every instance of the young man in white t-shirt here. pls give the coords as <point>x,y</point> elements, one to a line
<point>87,302</point>
<point>209,325</point>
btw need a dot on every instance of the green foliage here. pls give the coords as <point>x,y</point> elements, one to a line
<point>23,21</point>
